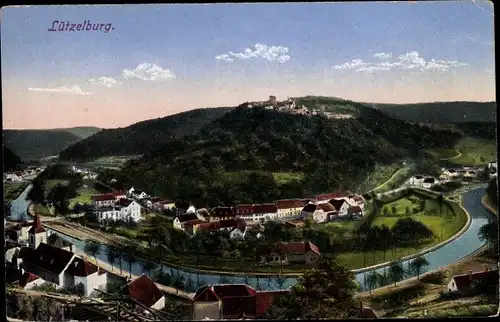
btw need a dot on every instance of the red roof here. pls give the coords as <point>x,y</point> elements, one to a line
<point>291,203</point>
<point>310,208</point>
<point>327,207</point>
<point>81,267</point>
<point>227,223</point>
<point>104,197</point>
<point>224,212</point>
<point>337,203</point>
<point>144,291</point>
<point>27,278</point>
<point>353,210</point>
<point>237,299</point>
<point>328,196</point>
<point>194,222</point>
<point>37,226</point>
<point>268,208</point>
<point>464,281</point>
<point>244,209</point>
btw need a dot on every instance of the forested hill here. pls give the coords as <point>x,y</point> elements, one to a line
<point>233,159</point>
<point>442,112</point>
<point>141,137</point>
<point>37,144</point>
<point>11,161</point>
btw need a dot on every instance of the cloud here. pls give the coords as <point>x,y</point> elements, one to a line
<point>383,55</point>
<point>260,51</point>
<point>104,81</point>
<point>409,61</point>
<point>63,90</point>
<point>151,72</point>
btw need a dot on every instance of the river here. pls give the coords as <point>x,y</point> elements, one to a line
<point>19,207</point>
<point>464,245</point>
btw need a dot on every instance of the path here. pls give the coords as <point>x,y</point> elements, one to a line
<point>116,271</point>
<point>453,157</point>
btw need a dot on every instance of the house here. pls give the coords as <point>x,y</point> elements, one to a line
<point>181,207</point>
<point>107,199</point>
<point>264,212</point>
<point>29,281</point>
<point>308,210</point>
<point>358,201</point>
<point>324,212</point>
<point>144,292</point>
<point>341,205</point>
<point>231,301</point>
<point>428,182</point>
<point>48,262</point>
<point>191,226</point>
<point>416,180</point>
<point>138,194</point>
<point>149,202</point>
<point>470,174</point>
<point>123,210</point>
<point>451,173</point>
<point>465,282</point>
<point>37,233</point>
<point>355,212</point>
<point>237,228</point>
<point>179,221</point>
<point>13,177</point>
<point>290,208</point>
<point>222,213</point>
<point>289,253</point>
<point>87,274</point>
<point>163,205</point>
<point>245,211</point>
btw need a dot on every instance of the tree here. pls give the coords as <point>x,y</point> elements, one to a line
<point>130,259</point>
<point>92,248</point>
<point>492,192</point>
<point>489,233</point>
<point>440,200</point>
<point>372,280</point>
<point>111,256</point>
<point>417,264</point>
<point>326,291</point>
<point>148,265</point>
<point>396,272</point>
<point>280,280</point>
<point>394,210</point>
<point>36,193</point>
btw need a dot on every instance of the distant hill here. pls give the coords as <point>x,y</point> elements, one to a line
<point>141,137</point>
<point>233,159</point>
<point>37,144</point>
<point>441,112</point>
<point>11,161</point>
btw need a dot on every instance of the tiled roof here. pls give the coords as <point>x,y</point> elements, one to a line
<point>124,202</point>
<point>144,291</point>
<point>244,209</point>
<point>194,222</point>
<point>337,203</point>
<point>464,281</point>
<point>27,278</point>
<point>291,203</point>
<point>37,226</point>
<point>227,223</point>
<point>327,207</point>
<point>49,258</point>
<point>265,208</point>
<point>353,210</point>
<point>310,208</point>
<point>328,196</point>
<point>104,197</point>
<point>81,267</point>
<point>25,252</point>
<point>187,217</point>
<point>237,299</point>
<point>429,180</point>
<point>223,212</point>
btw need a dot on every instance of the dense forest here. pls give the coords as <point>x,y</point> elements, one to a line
<point>11,161</point>
<point>233,159</point>
<point>37,144</point>
<point>141,137</point>
<point>442,112</point>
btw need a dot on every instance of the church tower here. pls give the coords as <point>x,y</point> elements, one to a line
<point>37,233</point>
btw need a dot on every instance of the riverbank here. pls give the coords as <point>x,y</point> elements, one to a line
<point>488,206</point>
<point>84,234</point>
<point>13,190</point>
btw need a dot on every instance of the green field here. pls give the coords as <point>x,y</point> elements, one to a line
<point>380,175</point>
<point>467,151</point>
<point>84,196</point>
<point>50,184</point>
<point>12,190</point>
<point>280,177</point>
<point>396,179</point>
<point>42,210</point>
<point>112,162</point>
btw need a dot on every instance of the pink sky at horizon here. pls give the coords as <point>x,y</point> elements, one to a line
<point>123,106</point>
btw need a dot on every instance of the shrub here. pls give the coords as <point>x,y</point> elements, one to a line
<point>439,277</point>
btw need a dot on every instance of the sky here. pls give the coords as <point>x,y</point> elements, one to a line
<point>136,62</point>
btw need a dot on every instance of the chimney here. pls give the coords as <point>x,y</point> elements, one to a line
<point>470,275</point>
